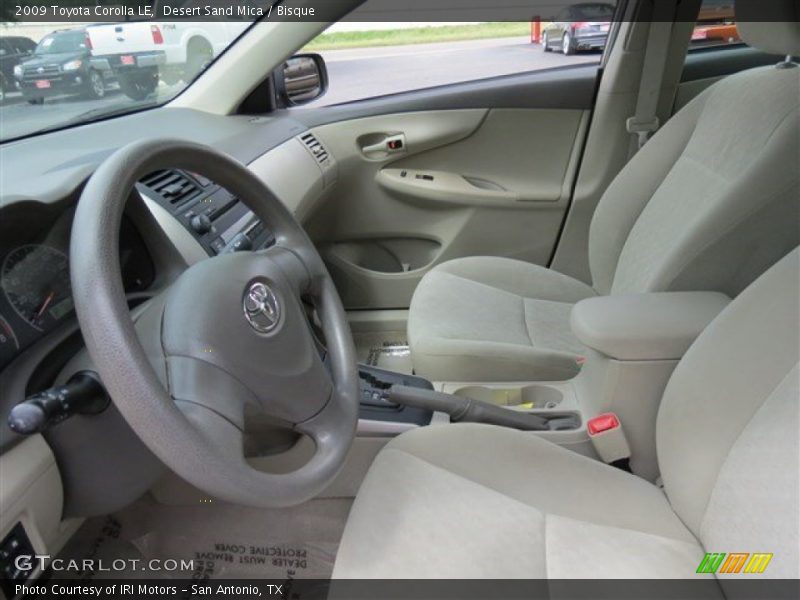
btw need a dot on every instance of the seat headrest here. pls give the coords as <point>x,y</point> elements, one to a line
<point>772,26</point>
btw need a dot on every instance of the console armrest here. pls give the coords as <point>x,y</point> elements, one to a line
<point>653,326</point>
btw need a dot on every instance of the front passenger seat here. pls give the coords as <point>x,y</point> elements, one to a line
<point>478,501</point>
<point>708,204</point>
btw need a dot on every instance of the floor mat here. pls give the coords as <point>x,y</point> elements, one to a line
<point>384,349</point>
<point>221,540</point>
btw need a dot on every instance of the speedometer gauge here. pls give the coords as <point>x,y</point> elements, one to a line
<point>35,281</point>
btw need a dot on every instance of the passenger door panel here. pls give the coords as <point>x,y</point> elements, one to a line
<point>494,180</point>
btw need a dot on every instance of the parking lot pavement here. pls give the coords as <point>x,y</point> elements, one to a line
<point>353,74</point>
<point>363,73</point>
<point>18,117</point>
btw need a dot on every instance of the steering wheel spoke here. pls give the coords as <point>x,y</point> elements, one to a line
<point>292,266</point>
<point>202,383</point>
<point>327,426</point>
<point>217,430</point>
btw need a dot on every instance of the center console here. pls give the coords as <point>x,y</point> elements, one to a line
<point>632,345</point>
<point>634,342</point>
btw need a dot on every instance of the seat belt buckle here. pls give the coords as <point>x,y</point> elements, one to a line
<point>609,440</point>
<point>643,129</point>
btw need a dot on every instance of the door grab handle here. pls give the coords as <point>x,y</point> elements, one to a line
<point>391,144</point>
<point>380,147</point>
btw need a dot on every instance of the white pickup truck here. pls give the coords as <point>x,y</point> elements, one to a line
<point>142,52</point>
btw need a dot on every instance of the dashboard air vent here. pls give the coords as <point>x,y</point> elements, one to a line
<point>315,147</point>
<point>175,187</point>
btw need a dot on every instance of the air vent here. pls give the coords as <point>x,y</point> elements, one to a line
<point>175,187</point>
<point>315,147</point>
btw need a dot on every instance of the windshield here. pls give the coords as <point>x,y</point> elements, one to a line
<point>60,43</point>
<point>88,72</point>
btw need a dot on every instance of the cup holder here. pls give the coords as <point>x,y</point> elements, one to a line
<point>528,397</point>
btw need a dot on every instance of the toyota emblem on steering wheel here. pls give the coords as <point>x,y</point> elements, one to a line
<point>261,307</point>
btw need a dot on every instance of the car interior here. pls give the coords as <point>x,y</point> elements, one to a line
<point>539,325</point>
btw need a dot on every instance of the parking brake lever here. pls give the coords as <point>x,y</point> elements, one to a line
<point>469,410</point>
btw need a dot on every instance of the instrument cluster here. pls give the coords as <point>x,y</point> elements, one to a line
<point>35,289</point>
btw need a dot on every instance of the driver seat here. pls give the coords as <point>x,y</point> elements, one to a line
<point>478,501</point>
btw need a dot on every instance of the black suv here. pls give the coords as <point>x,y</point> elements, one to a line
<point>13,50</point>
<point>61,64</point>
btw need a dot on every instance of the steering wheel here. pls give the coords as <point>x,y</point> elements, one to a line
<point>231,332</point>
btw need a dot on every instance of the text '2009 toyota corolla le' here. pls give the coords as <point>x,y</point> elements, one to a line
<point>351,299</point>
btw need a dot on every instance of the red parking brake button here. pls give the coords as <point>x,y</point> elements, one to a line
<point>602,423</point>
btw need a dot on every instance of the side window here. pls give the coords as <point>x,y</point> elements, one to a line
<point>716,25</point>
<point>5,49</point>
<point>28,46</point>
<point>23,47</point>
<point>373,59</point>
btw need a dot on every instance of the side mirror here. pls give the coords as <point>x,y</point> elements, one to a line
<point>300,80</point>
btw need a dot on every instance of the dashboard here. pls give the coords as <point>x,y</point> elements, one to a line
<point>176,219</point>
<point>197,217</point>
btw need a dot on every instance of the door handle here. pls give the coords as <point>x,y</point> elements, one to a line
<point>390,144</point>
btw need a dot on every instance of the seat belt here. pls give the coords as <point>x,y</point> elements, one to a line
<point>609,440</point>
<point>645,122</point>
